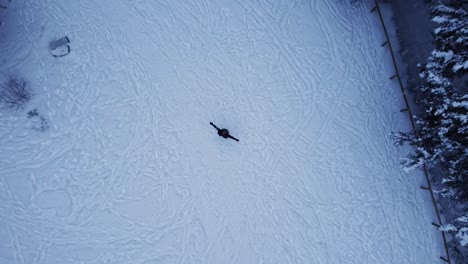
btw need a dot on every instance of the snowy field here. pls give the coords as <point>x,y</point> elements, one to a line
<point>122,166</point>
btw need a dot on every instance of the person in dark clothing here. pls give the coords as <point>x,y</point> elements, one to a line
<point>223,132</point>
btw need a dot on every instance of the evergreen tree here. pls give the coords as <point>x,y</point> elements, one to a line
<point>441,136</point>
<point>451,39</point>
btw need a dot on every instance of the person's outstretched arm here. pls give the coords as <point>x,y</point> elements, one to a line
<point>233,138</point>
<point>214,126</point>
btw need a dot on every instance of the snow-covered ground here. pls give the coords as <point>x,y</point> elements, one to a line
<point>128,169</point>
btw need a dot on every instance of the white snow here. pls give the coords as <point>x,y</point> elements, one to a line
<point>463,103</point>
<point>447,55</point>
<point>463,236</point>
<point>462,219</point>
<point>459,66</point>
<point>448,227</point>
<point>128,169</point>
<point>440,19</point>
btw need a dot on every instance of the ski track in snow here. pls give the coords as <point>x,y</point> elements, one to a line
<point>131,172</point>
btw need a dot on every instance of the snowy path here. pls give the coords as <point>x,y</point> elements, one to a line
<point>130,171</point>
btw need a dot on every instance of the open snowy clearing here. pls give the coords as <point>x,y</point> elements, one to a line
<point>128,169</point>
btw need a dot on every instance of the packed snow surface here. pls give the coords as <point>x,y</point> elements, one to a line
<point>120,164</point>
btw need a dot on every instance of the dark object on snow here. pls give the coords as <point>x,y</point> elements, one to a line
<point>4,3</point>
<point>60,47</point>
<point>14,93</point>
<point>33,113</point>
<point>39,123</point>
<point>223,132</point>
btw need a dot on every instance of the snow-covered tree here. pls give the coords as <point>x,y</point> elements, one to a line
<point>451,38</point>
<point>454,140</point>
<point>459,227</point>
<point>441,136</point>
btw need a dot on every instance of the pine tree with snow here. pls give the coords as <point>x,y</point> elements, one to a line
<point>451,38</point>
<point>447,109</point>
<point>454,141</point>
<point>441,136</point>
<point>442,133</point>
<point>459,227</point>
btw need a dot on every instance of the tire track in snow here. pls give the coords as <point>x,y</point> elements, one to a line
<point>90,115</point>
<point>108,36</point>
<point>296,133</point>
<point>297,128</point>
<point>153,113</point>
<point>294,64</point>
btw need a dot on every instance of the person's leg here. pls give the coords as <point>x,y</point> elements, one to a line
<point>214,126</point>
<point>233,138</point>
